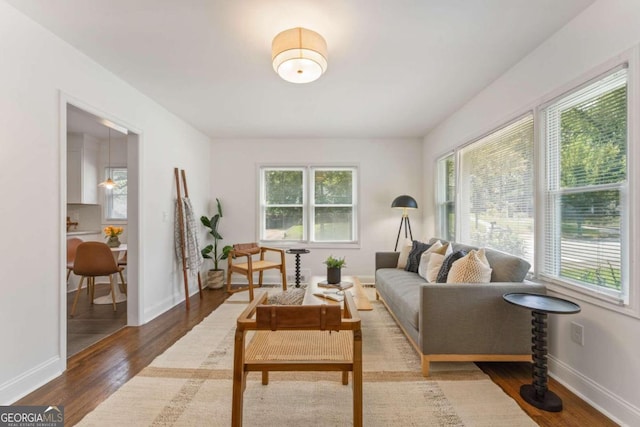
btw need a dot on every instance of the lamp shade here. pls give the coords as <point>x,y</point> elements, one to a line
<point>108,184</point>
<point>299,55</point>
<point>404,201</point>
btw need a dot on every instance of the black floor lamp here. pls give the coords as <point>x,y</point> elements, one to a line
<point>404,202</point>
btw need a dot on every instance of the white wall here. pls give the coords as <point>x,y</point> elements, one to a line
<point>37,66</point>
<point>606,371</point>
<point>388,168</point>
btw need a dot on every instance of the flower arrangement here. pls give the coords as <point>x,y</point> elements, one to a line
<point>112,231</point>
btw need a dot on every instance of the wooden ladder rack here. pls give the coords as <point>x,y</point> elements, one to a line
<point>185,273</point>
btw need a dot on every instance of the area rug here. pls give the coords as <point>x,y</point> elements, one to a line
<point>190,385</point>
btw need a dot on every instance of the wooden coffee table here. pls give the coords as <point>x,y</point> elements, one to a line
<point>357,291</point>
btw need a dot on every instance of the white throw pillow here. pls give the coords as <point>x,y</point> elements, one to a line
<point>404,254</point>
<point>436,259</point>
<point>472,268</point>
<point>424,259</point>
<point>435,262</point>
<point>422,267</point>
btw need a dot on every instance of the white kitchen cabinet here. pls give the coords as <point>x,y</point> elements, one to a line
<point>82,169</point>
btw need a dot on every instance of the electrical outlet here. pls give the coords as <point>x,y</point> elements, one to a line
<point>577,333</point>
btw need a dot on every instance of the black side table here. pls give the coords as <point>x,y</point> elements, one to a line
<point>537,393</point>
<point>297,253</point>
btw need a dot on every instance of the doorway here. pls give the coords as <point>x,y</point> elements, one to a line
<point>98,147</point>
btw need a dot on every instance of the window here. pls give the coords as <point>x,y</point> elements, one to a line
<point>308,204</point>
<point>445,197</point>
<point>116,198</point>
<point>496,190</point>
<point>585,212</point>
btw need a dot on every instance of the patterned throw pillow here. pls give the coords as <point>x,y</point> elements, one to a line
<point>446,265</point>
<point>414,256</point>
<point>288,297</point>
<point>472,268</point>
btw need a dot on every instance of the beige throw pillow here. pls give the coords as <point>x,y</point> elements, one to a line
<point>472,268</point>
<point>424,259</point>
<point>435,262</point>
<point>404,254</point>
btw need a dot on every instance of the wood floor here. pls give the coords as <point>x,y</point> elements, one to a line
<point>92,322</point>
<point>575,413</point>
<point>95,373</point>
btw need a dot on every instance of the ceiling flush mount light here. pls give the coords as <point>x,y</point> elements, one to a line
<point>108,183</point>
<point>299,55</point>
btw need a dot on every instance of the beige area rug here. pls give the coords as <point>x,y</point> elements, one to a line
<point>190,385</point>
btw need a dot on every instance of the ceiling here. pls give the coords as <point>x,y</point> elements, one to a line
<point>396,67</point>
<point>80,121</point>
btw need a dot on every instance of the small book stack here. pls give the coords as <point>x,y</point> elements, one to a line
<point>342,285</point>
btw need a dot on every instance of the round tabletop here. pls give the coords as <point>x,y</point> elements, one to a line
<point>298,251</point>
<point>543,303</point>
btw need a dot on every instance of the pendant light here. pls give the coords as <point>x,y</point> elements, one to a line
<point>108,183</point>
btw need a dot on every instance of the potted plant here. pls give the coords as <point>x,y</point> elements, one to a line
<point>215,279</point>
<point>334,266</point>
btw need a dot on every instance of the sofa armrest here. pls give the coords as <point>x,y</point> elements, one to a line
<point>473,318</point>
<point>387,259</point>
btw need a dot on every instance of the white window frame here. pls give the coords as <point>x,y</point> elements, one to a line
<point>441,195</point>
<point>107,193</point>
<point>626,300</point>
<point>309,205</point>
<point>632,307</point>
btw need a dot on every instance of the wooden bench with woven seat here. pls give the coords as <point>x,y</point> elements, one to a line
<point>251,266</point>
<point>298,338</point>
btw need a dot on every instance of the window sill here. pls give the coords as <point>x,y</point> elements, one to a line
<point>310,245</point>
<point>593,298</point>
<point>114,221</point>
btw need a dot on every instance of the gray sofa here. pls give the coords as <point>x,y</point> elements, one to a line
<point>462,321</point>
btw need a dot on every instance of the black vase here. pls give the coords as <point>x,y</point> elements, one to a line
<point>333,275</point>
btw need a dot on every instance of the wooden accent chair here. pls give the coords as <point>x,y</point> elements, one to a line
<point>248,250</point>
<point>282,343</point>
<point>94,259</point>
<point>72,246</point>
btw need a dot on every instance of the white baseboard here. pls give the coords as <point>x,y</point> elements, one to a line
<point>593,393</point>
<point>167,304</point>
<point>25,383</point>
<point>367,280</point>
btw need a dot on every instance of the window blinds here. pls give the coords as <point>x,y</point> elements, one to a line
<point>586,173</point>
<point>496,190</point>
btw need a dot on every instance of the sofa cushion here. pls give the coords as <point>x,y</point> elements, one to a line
<point>404,254</point>
<point>413,261</point>
<point>506,267</point>
<point>435,262</point>
<point>424,258</point>
<point>446,265</point>
<point>401,289</point>
<point>472,268</point>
